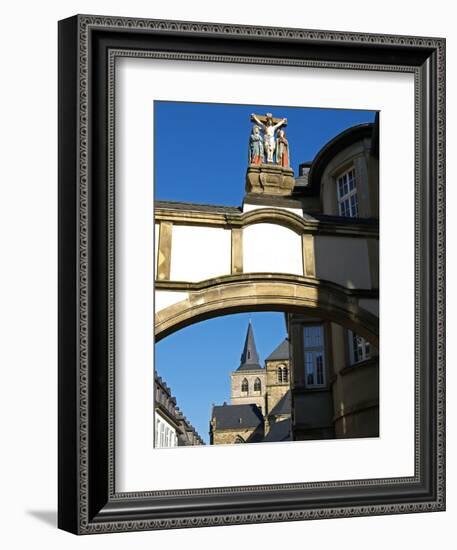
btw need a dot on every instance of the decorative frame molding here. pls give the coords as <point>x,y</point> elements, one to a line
<point>88,47</point>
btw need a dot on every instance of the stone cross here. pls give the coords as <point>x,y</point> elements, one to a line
<point>264,118</point>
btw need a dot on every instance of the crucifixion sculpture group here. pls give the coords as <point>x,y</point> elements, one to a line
<point>268,143</point>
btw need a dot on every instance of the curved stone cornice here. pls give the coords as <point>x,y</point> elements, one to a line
<point>266,291</point>
<point>332,148</point>
<point>276,216</point>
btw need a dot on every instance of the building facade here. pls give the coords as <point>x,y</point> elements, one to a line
<point>172,428</point>
<point>335,378</point>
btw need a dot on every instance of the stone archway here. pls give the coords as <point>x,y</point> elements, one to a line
<point>267,292</point>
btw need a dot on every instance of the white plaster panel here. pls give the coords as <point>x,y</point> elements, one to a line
<point>199,253</point>
<point>343,260</point>
<point>268,247</point>
<point>165,298</point>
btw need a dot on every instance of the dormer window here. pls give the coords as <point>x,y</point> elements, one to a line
<point>347,194</point>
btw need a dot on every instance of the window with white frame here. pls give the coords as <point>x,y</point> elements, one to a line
<point>162,435</point>
<point>313,338</point>
<point>359,348</point>
<point>347,194</point>
<point>165,434</point>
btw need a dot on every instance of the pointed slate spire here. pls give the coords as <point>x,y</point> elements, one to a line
<point>249,357</point>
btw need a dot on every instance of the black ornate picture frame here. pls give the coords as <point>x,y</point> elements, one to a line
<point>88,47</point>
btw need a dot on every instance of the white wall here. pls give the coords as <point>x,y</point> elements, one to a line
<point>271,248</point>
<point>199,253</point>
<point>165,298</point>
<point>29,274</point>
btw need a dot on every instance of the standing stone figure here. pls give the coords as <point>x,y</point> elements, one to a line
<point>282,149</point>
<point>256,150</point>
<point>269,129</point>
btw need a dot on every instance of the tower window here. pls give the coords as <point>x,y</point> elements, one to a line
<point>347,195</point>
<point>257,385</point>
<point>244,386</point>
<point>283,374</point>
<point>314,356</point>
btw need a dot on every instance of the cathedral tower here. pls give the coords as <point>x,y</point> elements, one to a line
<point>248,382</point>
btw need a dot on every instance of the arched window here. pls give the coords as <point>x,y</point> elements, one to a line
<point>257,385</point>
<point>280,374</point>
<point>244,385</point>
<point>239,439</point>
<point>285,374</point>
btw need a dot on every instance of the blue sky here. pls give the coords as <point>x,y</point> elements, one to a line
<point>196,361</point>
<point>201,156</point>
<point>201,148</point>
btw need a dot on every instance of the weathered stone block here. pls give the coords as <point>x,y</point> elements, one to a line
<point>269,179</point>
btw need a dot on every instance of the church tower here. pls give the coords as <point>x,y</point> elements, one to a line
<point>248,382</point>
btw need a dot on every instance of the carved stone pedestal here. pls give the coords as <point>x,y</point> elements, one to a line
<point>269,179</point>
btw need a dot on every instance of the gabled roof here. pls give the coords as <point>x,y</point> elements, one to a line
<point>249,358</point>
<point>281,352</point>
<point>237,416</point>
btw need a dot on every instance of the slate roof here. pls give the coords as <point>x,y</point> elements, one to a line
<point>281,352</point>
<point>237,416</point>
<point>279,431</point>
<point>283,406</point>
<point>249,358</point>
<point>194,207</point>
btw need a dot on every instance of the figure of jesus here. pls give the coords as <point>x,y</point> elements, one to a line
<point>269,130</point>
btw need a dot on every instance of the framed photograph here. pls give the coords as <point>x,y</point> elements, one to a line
<point>251,274</point>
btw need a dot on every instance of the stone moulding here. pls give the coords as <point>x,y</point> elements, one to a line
<point>235,293</point>
<point>269,179</point>
<point>266,215</point>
